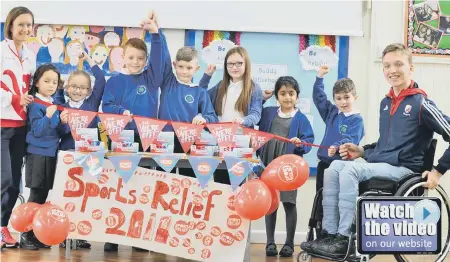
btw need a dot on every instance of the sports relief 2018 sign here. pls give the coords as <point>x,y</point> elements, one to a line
<point>162,212</point>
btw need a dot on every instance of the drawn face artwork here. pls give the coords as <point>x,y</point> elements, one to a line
<point>96,29</point>
<point>72,51</point>
<point>99,54</point>
<point>44,34</point>
<point>134,32</point>
<point>77,33</point>
<point>56,48</point>
<point>116,59</point>
<point>90,39</point>
<point>111,39</point>
<point>33,44</point>
<point>60,30</point>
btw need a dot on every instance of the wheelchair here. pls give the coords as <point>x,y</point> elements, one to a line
<point>409,185</point>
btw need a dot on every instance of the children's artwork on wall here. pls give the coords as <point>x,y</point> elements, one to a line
<point>60,44</point>
<point>216,44</point>
<point>427,29</point>
<point>275,55</point>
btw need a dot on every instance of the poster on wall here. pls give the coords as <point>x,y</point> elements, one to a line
<point>60,45</point>
<point>427,29</point>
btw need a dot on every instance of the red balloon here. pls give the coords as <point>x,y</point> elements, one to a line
<point>275,200</point>
<point>22,216</point>
<point>286,173</point>
<point>51,225</point>
<point>253,200</point>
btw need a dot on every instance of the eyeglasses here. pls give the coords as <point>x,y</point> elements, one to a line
<point>81,88</point>
<point>237,64</point>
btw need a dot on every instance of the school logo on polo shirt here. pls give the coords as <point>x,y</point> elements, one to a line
<point>343,129</point>
<point>189,99</point>
<point>141,90</point>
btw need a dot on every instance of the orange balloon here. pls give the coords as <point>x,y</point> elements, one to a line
<point>253,200</point>
<point>286,173</point>
<point>51,225</point>
<point>275,200</point>
<point>22,216</point>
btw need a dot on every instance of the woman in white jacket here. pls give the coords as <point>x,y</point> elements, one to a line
<point>18,66</point>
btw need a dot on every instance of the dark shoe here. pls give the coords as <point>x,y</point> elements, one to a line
<point>286,251</point>
<point>62,244</point>
<point>27,241</point>
<point>271,250</point>
<point>324,236</point>
<point>83,244</point>
<point>111,247</point>
<point>337,248</point>
<point>140,249</point>
<point>39,243</point>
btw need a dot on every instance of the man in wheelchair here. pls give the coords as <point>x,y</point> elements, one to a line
<point>408,121</point>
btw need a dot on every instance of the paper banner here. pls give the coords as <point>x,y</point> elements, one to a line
<point>92,163</point>
<point>148,130</point>
<point>224,133</point>
<point>238,170</point>
<point>79,119</point>
<point>167,162</point>
<point>186,133</point>
<point>313,57</point>
<point>257,138</point>
<point>203,167</point>
<point>114,124</point>
<point>125,165</point>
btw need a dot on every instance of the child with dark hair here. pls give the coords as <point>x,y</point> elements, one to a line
<point>44,123</point>
<point>343,123</point>
<point>286,121</point>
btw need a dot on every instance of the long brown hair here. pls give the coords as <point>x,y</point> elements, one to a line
<point>244,99</point>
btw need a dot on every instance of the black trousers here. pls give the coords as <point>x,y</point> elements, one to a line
<point>319,184</point>
<point>13,151</point>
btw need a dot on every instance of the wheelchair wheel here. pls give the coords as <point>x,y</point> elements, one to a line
<point>414,187</point>
<point>304,257</point>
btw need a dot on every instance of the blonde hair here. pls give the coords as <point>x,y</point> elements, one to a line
<point>33,39</point>
<point>80,73</point>
<point>125,37</point>
<point>66,55</point>
<point>397,47</point>
<point>12,15</point>
<point>71,27</point>
<point>244,99</point>
<point>94,47</point>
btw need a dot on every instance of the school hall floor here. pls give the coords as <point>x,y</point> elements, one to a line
<point>125,254</point>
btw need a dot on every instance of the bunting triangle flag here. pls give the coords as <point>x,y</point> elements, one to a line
<point>204,167</point>
<point>238,170</point>
<point>148,130</point>
<point>186,133</point>
<point>114,124</point>
<point>92,163</point>
<point>167,162</point>
<point>125,165</point>
<point>79,119</point>
<point>224,133</point>
<point>257,138</point>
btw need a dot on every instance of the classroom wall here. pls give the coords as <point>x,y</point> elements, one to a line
<point>383,24</point>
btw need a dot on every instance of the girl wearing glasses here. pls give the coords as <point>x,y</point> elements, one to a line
<point>80,95</point>
<point>236,98</point>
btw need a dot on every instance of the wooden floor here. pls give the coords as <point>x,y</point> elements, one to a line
<point>125,254</point>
